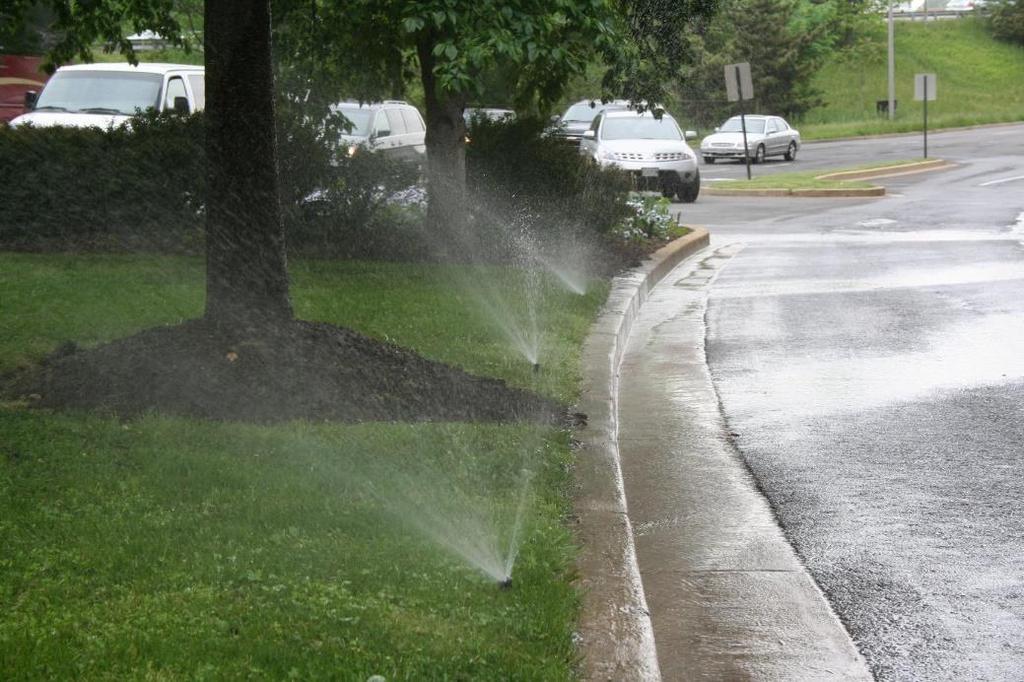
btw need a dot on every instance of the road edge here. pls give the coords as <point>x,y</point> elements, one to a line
<point>912,168</point>
<point>888,171</point>
<point>876,191</point>
<point>615,635</point>
<point>911,133</point>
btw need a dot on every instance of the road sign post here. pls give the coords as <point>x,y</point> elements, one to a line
<point>892,67</point>
<point>738,87</point>
<point>924,90</point>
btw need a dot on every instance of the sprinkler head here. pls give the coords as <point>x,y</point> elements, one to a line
<point>536,368</point>
<point>506,583</point>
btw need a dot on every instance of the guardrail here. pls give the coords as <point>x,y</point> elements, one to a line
<point>937,14</point>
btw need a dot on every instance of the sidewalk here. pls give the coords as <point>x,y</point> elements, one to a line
<point>687,573</point>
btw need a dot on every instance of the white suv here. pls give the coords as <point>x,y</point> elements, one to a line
<point>653,150</point>
<point>105,95</point>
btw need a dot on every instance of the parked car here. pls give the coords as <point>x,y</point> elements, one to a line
<point>766,136</point>
<point>105,95</point>
<point>393,127</point>
<point>652,149</point>
<point>491,113</point>
<point>578,117</point>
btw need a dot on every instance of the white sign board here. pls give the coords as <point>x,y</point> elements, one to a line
<point>738,84</point>
<point>924,83</point>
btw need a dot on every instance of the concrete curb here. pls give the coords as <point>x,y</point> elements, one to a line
<point>729,598</point>
<point>849,192</point>
<point>888,171</point>
<point>867,173</point>
<point>616,637</point>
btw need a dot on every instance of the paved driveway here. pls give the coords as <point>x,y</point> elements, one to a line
<point>869,357</point>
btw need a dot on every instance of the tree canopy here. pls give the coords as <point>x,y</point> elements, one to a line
<point>370,49</point>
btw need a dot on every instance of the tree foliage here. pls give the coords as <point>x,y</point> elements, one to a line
<point>75,28</point>
<point>785,42</point>
<point>375,42</point>
<point>1007,20</point>
<point>370,48</point>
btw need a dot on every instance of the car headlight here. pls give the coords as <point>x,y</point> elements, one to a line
<point>352,149</point>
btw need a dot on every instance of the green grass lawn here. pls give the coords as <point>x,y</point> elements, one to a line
<point>164,548</point>
<point>800,180</point>
<point>980,80</point>
<point>807,179</point>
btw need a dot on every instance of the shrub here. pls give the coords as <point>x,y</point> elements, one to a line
<point>1006,18</point>
<point>128,187</point>
<point>142,187</point>
<point>526,176</point>
<point>367,208</point>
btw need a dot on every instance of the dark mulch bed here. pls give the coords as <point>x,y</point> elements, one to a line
<point>302,370</point>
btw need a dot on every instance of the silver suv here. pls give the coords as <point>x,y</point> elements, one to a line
<point>392,127</point>
<point>653,150</point>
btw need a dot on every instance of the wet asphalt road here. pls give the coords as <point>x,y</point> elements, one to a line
<point>845,154</point>
<point>869,356</point>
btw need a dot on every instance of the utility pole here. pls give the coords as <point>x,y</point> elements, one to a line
<point>892,67</point>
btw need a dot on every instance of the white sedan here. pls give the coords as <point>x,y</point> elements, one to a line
<point>766,136</point>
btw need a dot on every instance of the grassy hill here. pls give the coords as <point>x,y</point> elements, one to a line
<point>980,80</point>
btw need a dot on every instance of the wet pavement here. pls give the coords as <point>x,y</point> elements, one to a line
<point>835,154</point>
<point>727,597</point>
<point>869,358</point>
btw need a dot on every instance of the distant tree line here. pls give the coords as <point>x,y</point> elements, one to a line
<point>785,42</point>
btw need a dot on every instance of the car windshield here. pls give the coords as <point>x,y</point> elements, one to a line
<point>112,92</point>
<point>640,128</point>
<point>735,125</point>
<point>586,113</point>
<point>359,118</point>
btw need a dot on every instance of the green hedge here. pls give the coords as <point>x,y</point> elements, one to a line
<point>142,188</point>
<point>87,187</point>
<point>527,176</point>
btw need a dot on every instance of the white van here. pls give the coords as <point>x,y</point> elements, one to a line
<point>105,95</point>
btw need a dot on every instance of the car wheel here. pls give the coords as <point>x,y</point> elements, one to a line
<point>709,159</point>
<point>759,154</point>
<point>688,193</point>
<point>791,152</point>
<point>667,191</point>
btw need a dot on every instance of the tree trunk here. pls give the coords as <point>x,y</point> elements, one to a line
<point>246,269</point>
<point>446,153</point>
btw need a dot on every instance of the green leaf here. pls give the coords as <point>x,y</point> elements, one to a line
<point>412,24</point>
<point>451,51</point>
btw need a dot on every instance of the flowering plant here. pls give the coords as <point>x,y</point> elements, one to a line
<point>649,219</point>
